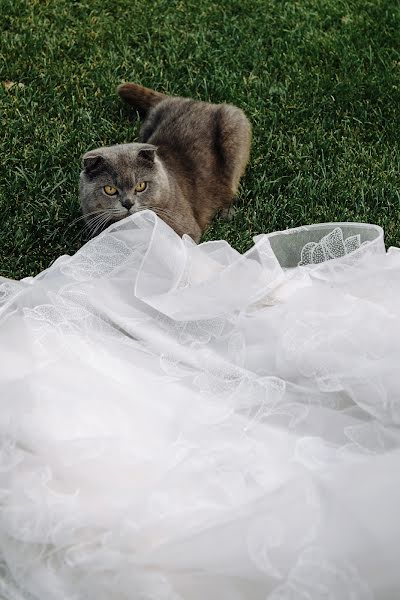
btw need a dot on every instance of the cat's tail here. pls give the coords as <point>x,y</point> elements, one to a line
<point>141,98</point>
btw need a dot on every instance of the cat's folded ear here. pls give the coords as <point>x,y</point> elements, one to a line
<point>147,153</point>
<point>92,163</point>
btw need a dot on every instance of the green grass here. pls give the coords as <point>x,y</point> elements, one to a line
<point>319,80</point>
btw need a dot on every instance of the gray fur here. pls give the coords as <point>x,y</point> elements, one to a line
<point>192,155</point>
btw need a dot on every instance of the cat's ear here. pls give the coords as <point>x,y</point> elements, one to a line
<point>92,163</point>
<point>148,154</point>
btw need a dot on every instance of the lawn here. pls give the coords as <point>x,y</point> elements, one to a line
<point>319,80</point>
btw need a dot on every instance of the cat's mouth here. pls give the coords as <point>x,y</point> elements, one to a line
<point>122,214</point>
<point>126,212</point>
<point>136,209</point>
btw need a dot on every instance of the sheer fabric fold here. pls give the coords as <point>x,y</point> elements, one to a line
<point>180,422</point>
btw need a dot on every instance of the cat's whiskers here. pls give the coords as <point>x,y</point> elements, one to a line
<point>81,218</point>
<point>96,219</point>
<point>91,222</point>
<point>91,218</point>
<point>166,212</point>
<point>97,222</point>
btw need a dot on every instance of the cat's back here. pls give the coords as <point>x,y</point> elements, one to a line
<point>175,117</point>
<point>202,133</point>
<point>204,147</point>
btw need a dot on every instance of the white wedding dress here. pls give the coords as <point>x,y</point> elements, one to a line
<point>182,422</point>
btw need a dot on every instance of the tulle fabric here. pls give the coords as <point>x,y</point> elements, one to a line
<point>182,422</point>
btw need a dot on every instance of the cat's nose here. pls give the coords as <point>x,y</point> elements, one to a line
<point>127,203</point>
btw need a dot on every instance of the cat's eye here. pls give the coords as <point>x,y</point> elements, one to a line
<point>141,186</point>
<point>110,190</point>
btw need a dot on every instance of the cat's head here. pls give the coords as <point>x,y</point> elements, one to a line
<point>117,181</point>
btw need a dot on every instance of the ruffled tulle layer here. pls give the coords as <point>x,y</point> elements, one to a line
<point>185,422</point>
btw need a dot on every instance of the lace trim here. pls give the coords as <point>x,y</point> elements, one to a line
<point>333,245</point>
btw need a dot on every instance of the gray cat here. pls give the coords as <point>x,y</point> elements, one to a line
<point>186,168</point>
